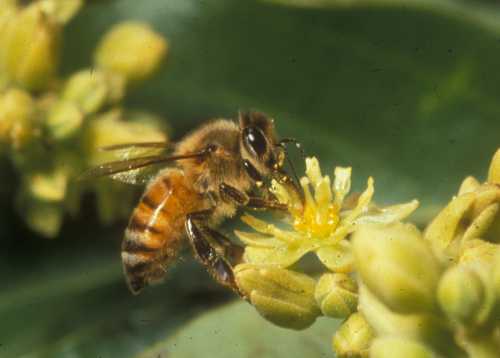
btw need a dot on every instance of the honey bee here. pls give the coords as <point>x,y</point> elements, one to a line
<point>218,168</point>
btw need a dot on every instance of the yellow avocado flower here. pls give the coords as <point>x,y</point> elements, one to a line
<point>320,223</point>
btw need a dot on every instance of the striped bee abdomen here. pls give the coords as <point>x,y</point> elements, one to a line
<point>155,231</point>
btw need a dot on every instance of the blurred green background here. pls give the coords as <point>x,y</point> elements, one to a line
<point>407,92</point>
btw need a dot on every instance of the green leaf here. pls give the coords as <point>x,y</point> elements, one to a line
<point>236,330</point>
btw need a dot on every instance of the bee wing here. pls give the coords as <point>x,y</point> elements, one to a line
<point>124,152</point>
<point>136,145</point>
<point>135,176</point>
<point>125,170</point>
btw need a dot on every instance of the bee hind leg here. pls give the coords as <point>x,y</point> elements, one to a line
<point>200,238</point>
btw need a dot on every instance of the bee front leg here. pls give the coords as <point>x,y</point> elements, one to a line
<point>252,202</point>
<point>200,235</point>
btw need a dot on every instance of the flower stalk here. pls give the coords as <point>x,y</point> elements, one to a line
<point>51,127</point>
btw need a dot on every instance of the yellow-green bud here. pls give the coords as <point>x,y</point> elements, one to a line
<point>284,297</point>
<point>47,186</point>
<point>461,294</point>
<point>108,129</point>
<point>442,231</point>
<point>92,89</point>
<point>64,120</point>
<point>337,258</point>
<point>496,276</point>
<point>494,171</point>
<point>8,4</point>
<point>482,225</point>
<point>469,184</point>
<point>428,328</point>
<point>132,50</point>
<point>7,9</point>
<point>397,265</point>
<point>353,338</point>
<point>17,110</point>
<point>30,48</point>
<point>38,206</point>
<point>399,347</point>
<point>61,10</point>
<point>336,295</point>
<point>479,251</point>
<point>44,218</point>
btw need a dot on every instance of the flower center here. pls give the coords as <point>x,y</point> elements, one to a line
<point>317,222</point>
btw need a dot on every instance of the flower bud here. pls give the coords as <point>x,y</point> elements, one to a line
<point>92,89</point>
<point>399,347</point>
<point>108,129</point>
<point>284,297</point>
<point>480,256</point>
<point>469,184</point>
<point>61,10</point>
<point>336,295</point>
<point>30,48</point>
<point>132,50</point>
<point>353,338</point>
<point>17,110</point>
<point>47,186</point>
<point>64,120</point>
<point>397,265</point>
<point>337,258</point>
<point>479,251</point>
<point>428,328</point>
<point>39,205</point>
<point>42,217</point>
<point>441,232</point>
<point>461,294</point>
<point>494,171</point>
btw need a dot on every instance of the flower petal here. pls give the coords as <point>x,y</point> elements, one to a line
<point>389,214</point>
<point>341,184</point>
<point>313,171</point>
<point>363,202</point>
<point>255,239</point>
<point>269,229</point>
<point>310,204</point>
<point>280,192</point>
<point>283,256</point>
<point>337,258</point>
<point>323,192</point>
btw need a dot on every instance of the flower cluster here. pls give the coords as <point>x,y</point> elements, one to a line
<point>51,127</point>
<point>401,292</point>
<point>436,292</point>
<point>323,223</point>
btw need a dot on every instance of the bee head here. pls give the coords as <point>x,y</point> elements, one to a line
<point>258,142</point>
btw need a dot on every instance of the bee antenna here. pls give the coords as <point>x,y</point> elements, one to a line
<point>283,142</point>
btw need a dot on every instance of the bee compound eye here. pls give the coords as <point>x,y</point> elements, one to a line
<point>255,141</point>
<point>252,172</point>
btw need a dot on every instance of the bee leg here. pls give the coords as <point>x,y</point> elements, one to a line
<point>199,237</point>
<point>252,202</point>
<point>232,251</point>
